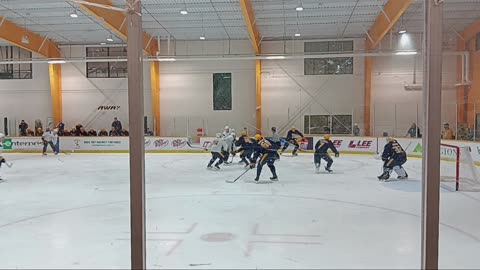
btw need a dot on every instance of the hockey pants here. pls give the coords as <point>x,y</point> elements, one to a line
<point>325,156</point>
<point>294,142</point>
<point>246,155</point>
<point>395,165</point>
<point>45,144</point>
<point>269,160</point>
<point>215,156</point>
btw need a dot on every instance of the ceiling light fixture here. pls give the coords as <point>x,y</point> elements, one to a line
<point>103,43</point>
<point>74,14</point>
<point>277,57</point>
<point>184,10</point>
<point>299,7</point>
<point>202,37</point>
<point>170,59</point>
<point>298,34</point>
<point>110,39</point>
<point>403,28</point>
<point>25,39</point>
<point>57,62</point>
<point>406,53</point>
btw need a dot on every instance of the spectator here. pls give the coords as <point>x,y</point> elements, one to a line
<point>61,128</point>
<point>77,129</point>
<point>117,125</point>
<point>124,132</point>
<point>447,133</point>
<point>414,131</point>
<point>149,132</point>
<point>39,132</point>
<point>103,132</point>
<point>92,132</point>
<point>66,133</point>
<point>356,130</point>
<point>113,133</point>
<point>23,128</point>
<point>82,132</point>
<point>30,132</point>
<point>73,132</point>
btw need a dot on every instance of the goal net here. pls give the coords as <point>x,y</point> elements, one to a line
<point>458,168</point>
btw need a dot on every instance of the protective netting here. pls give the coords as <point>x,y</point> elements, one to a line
<point>458,168</point>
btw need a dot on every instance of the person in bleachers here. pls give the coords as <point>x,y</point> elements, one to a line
<point>39,132</point>
<point>103,132</point>
<point>30,132</point>
<point>113,133</point>
<point>82,132</point>
<point>124,132</point>
<point>92,132</point>
<point>117,125</point>
<point>23,128</point>
<point>61,128</point>
<point>73,132</point>
<point>447,133</point>
<point>77,129</point>
<point>414,131</point>
<point>149,132</point>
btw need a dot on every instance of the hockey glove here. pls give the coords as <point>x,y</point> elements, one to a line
<point>337,154</point>
<point>252,165</point>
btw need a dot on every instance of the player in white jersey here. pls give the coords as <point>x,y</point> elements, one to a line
<point>217,147</point>
<point>49,138</point>
<point>2,159</point>
<point>226,132</point>
<point>229,140</point>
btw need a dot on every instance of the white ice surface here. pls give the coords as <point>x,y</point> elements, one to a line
<point>73,212</point>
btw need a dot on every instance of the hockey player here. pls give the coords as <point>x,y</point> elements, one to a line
<point>2,159</point>
<point>321,148</point>
<point>393,157</point>
<point>218,144</point>
<point>276,140</point>
<point>226,131</point>
<point>247,147</point>
<point>49,138</point>
<point>267,152</point>
<point>291,139</point>
<point>229,139</point>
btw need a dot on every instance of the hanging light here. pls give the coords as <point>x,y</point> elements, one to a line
<point>299,7</point>
<point>184,10</point>
<point>297,34</point>
<point>403,28</point>
<point>74,13</point>
<point>110,38</point>
<point>202,37</point>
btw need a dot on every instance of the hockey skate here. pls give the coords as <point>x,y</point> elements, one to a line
<point>257,179</point>
<point>274,178</point>
<point>403,177</point>
<point>384,177</point>
<point>317,169</point>
<point>217,167</point>
<point>327,169</point>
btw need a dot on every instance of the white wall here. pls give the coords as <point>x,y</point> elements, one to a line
<point>287,91</point>
<point>26,99</point>
<point>394,109</point>
<point>186,89</point>
<point>82,96</point>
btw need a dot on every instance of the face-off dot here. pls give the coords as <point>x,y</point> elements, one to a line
<point>218,237</point>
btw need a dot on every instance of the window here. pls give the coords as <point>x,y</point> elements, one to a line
<point>15,71</point>
<point>222,91</point>
<point>328,66</point>
<point>106,69</point>
<point>321,124</point>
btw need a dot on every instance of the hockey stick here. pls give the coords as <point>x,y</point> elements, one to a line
<point>233,181</point>
<point>195,147</point>
<point>9,165</point>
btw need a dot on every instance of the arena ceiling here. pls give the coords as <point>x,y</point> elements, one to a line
<point>223,19</point>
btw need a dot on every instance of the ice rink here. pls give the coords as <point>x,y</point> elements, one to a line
<point>72,211</point>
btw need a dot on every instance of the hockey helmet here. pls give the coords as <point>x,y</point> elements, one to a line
<point>390,139</point>
<point>244,133</point>
<point>258,137</point>
<point>327,136</point>
<point>227,127</point>
<point>219,135</point>
<point>294,128</point>
<point>274,129</point>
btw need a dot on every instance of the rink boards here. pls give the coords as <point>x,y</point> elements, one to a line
<point>351,145</point>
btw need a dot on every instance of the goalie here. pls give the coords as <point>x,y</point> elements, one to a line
<point>393,157</point>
